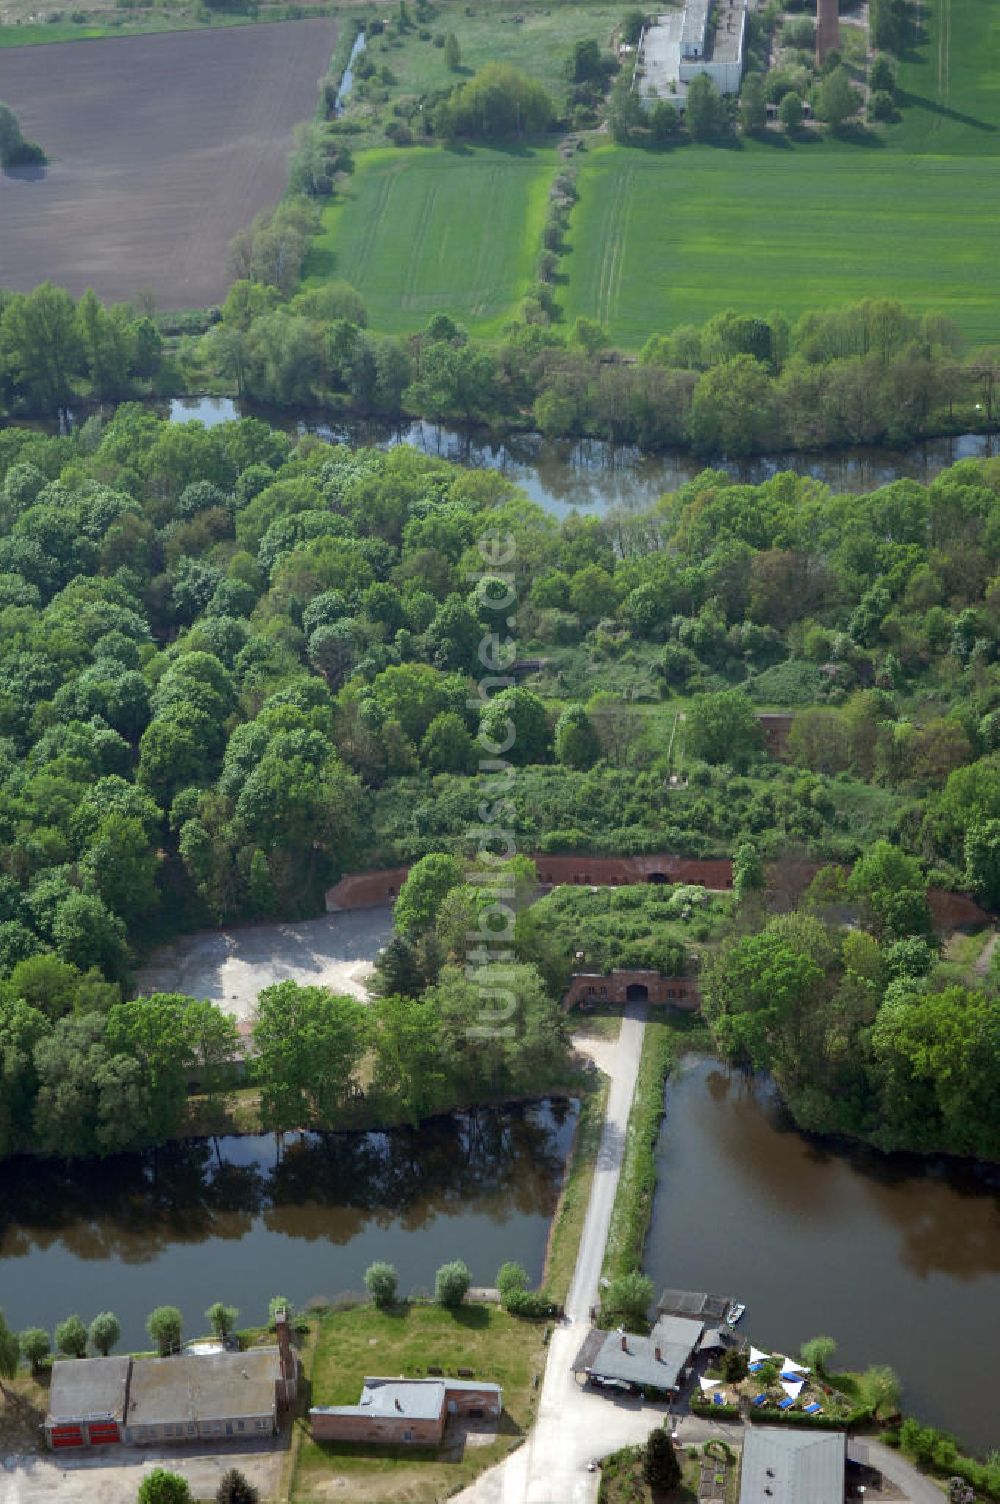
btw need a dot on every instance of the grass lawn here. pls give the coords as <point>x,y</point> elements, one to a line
<point>911,213</point>
<point>22,1413</point>
<point>351,1344</point>
<point>426,231</point>
<point>567,1227</point>
<point>105,22</point>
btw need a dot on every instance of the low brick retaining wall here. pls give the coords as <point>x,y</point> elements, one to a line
<point>366,890</point>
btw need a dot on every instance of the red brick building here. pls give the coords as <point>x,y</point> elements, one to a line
<point>621,987</point>
<point>412,1412</point>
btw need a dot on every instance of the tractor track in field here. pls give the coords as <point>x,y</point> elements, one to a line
<point>415,259</point>
<point>373,224</point>
<point>944,53</point>
<point>614,248</point>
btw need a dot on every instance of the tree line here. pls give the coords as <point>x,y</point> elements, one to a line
<point>740,385</point>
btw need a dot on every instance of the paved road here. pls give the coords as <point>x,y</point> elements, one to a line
<point>916,1488</point>
<point>574,1424</point>
<point>624,1068</point>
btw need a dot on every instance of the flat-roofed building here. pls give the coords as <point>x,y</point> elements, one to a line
<point>410,1411</point>
<point>707,36</point>
<point>786,1466</point>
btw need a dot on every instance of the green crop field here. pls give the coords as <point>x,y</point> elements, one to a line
<point>663,239</point>
<point>660,242</point>
<point>426,231</point>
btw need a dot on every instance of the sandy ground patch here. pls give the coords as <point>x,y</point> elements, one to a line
<point>231,966</point>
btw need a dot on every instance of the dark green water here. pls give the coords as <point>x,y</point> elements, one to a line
<point>895,1257</point>
<point>228,1220</point>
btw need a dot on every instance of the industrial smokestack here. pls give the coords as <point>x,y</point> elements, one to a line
<point>827,30</point>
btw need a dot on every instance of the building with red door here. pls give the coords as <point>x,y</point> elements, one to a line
<point>87,1401</point>
<point>188,1397</point>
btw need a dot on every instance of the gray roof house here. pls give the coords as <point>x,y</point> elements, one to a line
<point>786,1466</point>
<point>414,1411</point>
<point>216,1394</point>
<point>653,1362</point>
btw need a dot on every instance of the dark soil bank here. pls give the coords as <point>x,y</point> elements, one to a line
<point>160,147</point>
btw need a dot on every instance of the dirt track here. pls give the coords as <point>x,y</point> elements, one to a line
<point>160,147</point>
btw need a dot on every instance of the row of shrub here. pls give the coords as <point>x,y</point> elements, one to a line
<point>937,1451</point>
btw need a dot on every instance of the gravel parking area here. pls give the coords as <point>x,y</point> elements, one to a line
<point>111,1475</point>
<point>231,966</point>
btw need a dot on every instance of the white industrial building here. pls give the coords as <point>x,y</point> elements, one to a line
<point>707,36</point>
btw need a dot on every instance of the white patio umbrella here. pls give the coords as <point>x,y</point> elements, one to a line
<point>756,1356</point>
<point>793,1390</point>
<point>709,1384</point>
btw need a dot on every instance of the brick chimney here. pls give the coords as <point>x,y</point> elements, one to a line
<point>624,1343</point>
<point>827,30</point>
<point>289,1363</point>
<point>657,1354</point>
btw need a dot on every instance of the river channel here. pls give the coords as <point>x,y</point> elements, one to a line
<point>896,1258</point>
<point>232,1219</point>
<point>602,478</point>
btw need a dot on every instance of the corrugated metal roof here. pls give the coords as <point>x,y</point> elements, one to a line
<point>786,1466</point>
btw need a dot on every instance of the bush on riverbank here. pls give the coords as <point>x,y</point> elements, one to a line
<point>938,1452</point>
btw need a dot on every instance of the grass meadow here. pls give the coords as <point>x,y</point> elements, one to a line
<point>536,37</point>
<point>659,241</point>
<point>912,213</point>
<point>420,232</point>
<point>406,1341</point>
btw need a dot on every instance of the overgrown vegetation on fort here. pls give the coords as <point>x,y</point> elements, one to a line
<point>236,664</point>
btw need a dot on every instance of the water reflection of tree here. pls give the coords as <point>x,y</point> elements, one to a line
<point>329,1186</point>
<point>497,1163</point>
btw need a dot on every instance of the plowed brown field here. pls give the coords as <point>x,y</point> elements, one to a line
<point>160,147</point>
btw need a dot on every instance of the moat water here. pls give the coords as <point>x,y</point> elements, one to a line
<point>896,1257</point>
<point>242,1219</point>
<point>602,478</point>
